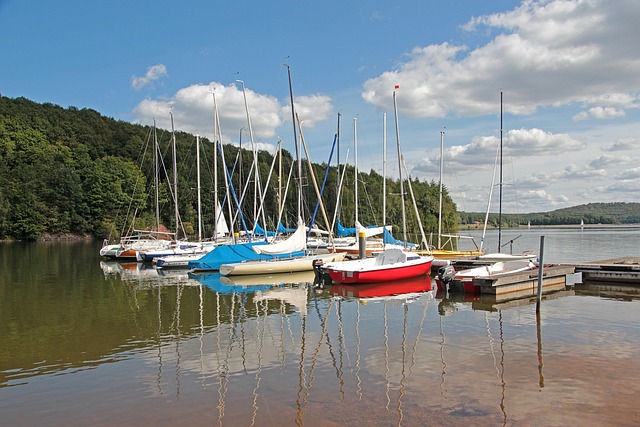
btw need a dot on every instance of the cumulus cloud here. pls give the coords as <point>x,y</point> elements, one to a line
<point>544,53</point>
<point>623,144</point>
<point>153,73</point>
<point>192,108</point>
<point>629,174</point>
<point>311,109</point>
<point>516,143</point>
<point>608,161</point>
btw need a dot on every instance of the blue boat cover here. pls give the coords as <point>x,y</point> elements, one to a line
<point>284,230</point>
<point>259,231</point>
<point>342,231</point>
<point>387,237</point>
<point>228,254</point>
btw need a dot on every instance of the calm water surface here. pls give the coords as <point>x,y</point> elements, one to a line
<point>88,342</point>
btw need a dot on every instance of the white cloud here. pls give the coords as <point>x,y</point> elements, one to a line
<point>623,144</point>
<point>545,54</point>
<point>153,73</point>
<point>517,143</point>
<point>599,113</point>
<point>629,174</point>
<point>193,106</point>
<point>310,108</point>
<point>608,161</point>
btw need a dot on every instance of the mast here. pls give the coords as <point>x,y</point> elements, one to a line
<point>157,171</point>
<point>440,209</point>
<point>500,183</point>
<point>338,162</point>
<point>219,146</point>
<point>198,176</point>
<point>279,174</point>
<point>257,188</point>
<point>215,169</point>
<point>384,174</point>
<point>175,177</point>
<point>295,142</point>
<point>404,214</point>
<point>355,155</point>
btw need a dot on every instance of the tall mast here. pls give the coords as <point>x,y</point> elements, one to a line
<point>404,214</point>
<point>355,155</point>
<point>440,208</point>
<point>199,200</point>
<point>215,169</point>
<point>338,162</point>
<point>224,171</point>
<point>384,171</point>
<point>279,174</point>
<point>175,178</point>
<point>157,173</point>
<point>257,188</point>
<point>500,184</point>
<point>295,142</point>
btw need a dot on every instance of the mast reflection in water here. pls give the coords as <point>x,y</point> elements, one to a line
<point>124,344</point>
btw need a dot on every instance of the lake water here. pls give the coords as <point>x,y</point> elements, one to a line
<point>88,342</point>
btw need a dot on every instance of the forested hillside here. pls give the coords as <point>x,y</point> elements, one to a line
<point>592,213</point>
<point>71,170</point>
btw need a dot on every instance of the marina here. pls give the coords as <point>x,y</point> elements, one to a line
<point>94,342</point>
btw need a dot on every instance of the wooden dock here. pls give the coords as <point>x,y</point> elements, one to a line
<point>524,283</point>
<point>617,270</point>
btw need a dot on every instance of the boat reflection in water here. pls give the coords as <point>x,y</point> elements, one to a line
<point>272,351</point>
<point>401,288</point>
<point>145,274</point>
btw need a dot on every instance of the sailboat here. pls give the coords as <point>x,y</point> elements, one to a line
<point>251,258</point>
<point>374,245</point>
<point>391,264</point>
<point>440,253</point>
<point>501,263</point>
<point>141,240</point>
<point>499,256</point>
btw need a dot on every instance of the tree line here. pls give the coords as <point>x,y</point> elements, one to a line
<point>591,213</point>
<point>72,170</point>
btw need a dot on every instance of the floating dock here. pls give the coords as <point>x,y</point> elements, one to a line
<point>617,270</point>
<point>524,283</point>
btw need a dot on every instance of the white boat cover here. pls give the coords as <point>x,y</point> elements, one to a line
<point>370,231</point>
<point>294,243</point>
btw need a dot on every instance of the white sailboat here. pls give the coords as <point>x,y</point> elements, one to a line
<point>499,256</point>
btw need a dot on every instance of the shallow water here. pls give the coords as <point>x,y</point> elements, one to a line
<point>87,342</point>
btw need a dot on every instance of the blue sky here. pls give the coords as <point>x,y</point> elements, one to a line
<point>569,71</point>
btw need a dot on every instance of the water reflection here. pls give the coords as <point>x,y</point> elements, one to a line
<point>274,351</point>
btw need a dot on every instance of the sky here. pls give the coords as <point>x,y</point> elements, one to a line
<point>567,71</point>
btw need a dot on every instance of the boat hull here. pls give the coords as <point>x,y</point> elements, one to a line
<point>275,266</point>
<point>381,274</point>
